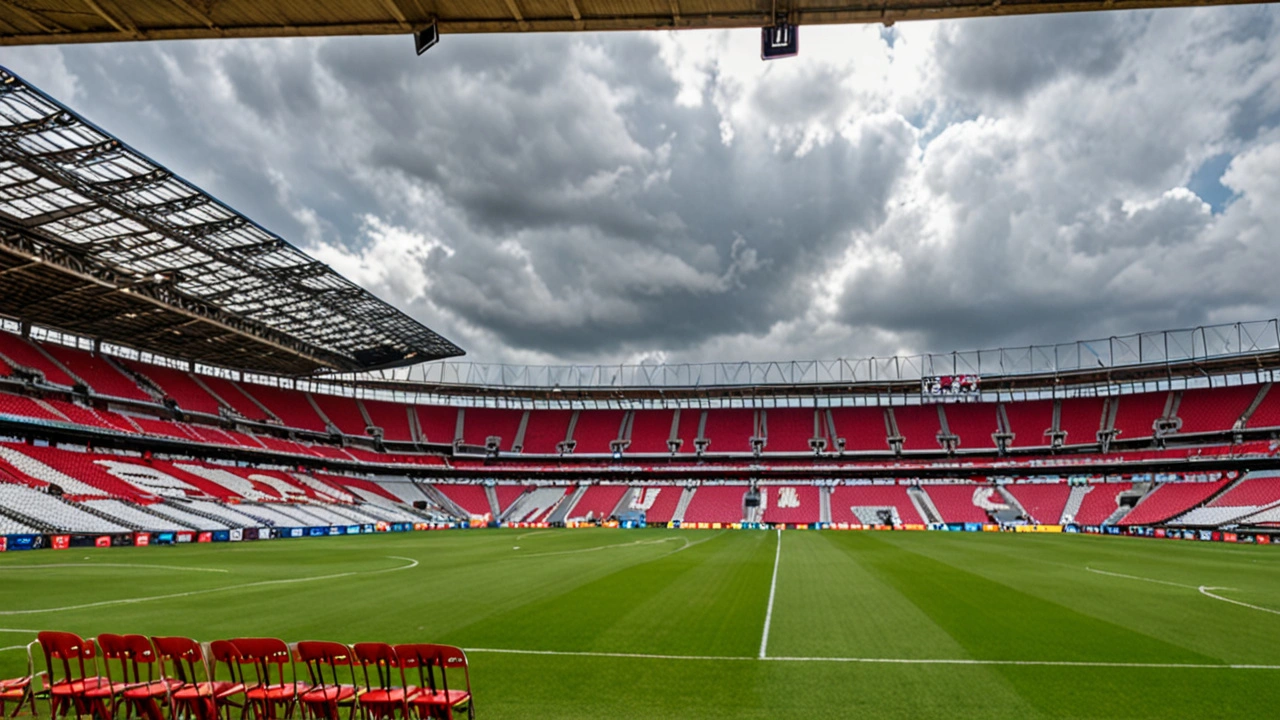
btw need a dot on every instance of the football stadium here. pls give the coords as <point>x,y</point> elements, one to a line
<point>235,483</point>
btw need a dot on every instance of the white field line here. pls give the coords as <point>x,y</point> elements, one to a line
<point>773,590</point>
<point>287,581</point>
<point>112,565</point>
<point>13,647</point>
<point>1204,590</point>
<point>18,630</point>
<point>1143,579</point>
<point>874,660</point>
<point>598,548</point>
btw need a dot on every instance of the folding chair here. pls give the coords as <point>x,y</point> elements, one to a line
<point>383,698</point>
<point>65,656</point>
<point>435,699</point>
<point>148,691</point>
<point>324,662</point>
<point>20,690</point>
<point>101,698</point>
<point>190,695</point>
<point>270,688</point>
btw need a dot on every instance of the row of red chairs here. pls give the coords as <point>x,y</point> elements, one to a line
<point>147,678</point>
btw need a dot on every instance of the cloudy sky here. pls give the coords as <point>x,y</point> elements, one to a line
<point>668,196</point>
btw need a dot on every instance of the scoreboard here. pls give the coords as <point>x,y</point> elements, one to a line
<point>950,385</point>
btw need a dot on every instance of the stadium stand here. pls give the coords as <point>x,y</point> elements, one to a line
<point>860,503</point>
<point>1081,419</point>
<point>392,418</point>
<point>598,502</point>
<point>19,406</point>
<point>181,387</point>
<point>1030,422</point>
<point>958,502</point>
<point>651,429</point>
<point>1137,414</point>
<point>534,506</point>
<point>716,504</point>
<point>19,351</point>
<point>288,406</point>
<point>658,503</point>
<point>1170,499</point>
<point>506,496</point>
<point>231,395</point>
<point>479,424</point>
<point>343,412</point>
<point>729,430</point>
<point>439,424</point>
<point>544,433</point>
<point>1267,414</point>
<point>52,512</point>
<point>790,430</point>
<point>919,426</point>
<point>471,498</point>
<point>98,372</point>
<point>791,504</point>
<point>862,428</point>
<point>1101,502</point>
<point>1250,496</point>
<point>975,424</point>
<point>596,431</point>
<point>1043,502</point>
<point>1205,410</point>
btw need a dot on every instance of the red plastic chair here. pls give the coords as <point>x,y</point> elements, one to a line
<point>381,696</point>
<point>148,691</point>
<point>325,662</point>
<point>271,687</point>
<point>436,699</point>
<point>101,698</point>
<point>20,690</point>
<point>195,690</point>
<point>72,666</point>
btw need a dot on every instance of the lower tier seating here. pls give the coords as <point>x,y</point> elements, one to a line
<point>791,504</point>
<point>862,503</point>
<point>716,503</point>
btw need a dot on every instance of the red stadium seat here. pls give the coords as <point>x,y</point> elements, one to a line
<point>328,665</point>
<point>434,699</point>
<point>20,690</point>
<point>385,692</point>
<point>72,666</point>
<point>268,686</point>
<point>193,697</point>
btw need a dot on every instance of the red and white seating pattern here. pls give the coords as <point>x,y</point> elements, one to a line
<point>791,504</point>
<point>716,504</point>
<point>598,502</point>
<point>860,503</point>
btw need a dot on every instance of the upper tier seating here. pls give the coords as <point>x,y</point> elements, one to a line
<point>790,430</point>
<point>103,378</point>
<point>1205,410</point>
<point>1267,414</point>
<point>53,512</point>
<point>973,423</point>
<point>439,424</point>
<point>290,406</point>
<point>1100,502</point>
<point>180,386</point>
<point>650,430</point>
<point>343,412</point>
<point>792,504</point>
<point>481,423</point>
<point>90,417</point>
<point>230,393</point>
<point>544,431</point>
<point>863,428</point>
<point>26,407</point>
<point>716,504</point>
<point>1137,414</point>
<point>1030,422</point>
<point>1170,499</point>
<point>919,426</point>
<point>23,352</point>
<point>1044,502</point>
<point>658,503</point>
<point>596,431</point>
<point>598,502</point>
<point>1081,418</point>
<point>393,418</point>
<point>730,431</point>
<point>845,498</point>
<point>957,503</point>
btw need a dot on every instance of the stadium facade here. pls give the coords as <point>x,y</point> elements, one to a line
<point>169,368</point>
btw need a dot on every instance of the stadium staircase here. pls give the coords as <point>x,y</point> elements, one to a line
<point>567,504</point>
<point>824,504</point>
<point>681,507</point>
<point>492,495</point>
<point>442,501</point>
<point>924,504</point>
<point>1011,501</point>
<point>1074,500</point>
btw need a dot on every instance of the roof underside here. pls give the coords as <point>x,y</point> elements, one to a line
<point>98,240</point>
<point>63,21</point>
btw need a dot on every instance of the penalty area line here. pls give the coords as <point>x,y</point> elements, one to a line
<point>878,661</point>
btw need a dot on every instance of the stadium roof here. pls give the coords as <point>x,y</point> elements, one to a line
<point>97,239</point>
<point>64,21</point>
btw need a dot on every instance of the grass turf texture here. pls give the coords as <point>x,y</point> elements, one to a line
<point>867,595</point>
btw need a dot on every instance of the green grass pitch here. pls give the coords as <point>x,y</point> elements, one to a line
<point>659,623</point>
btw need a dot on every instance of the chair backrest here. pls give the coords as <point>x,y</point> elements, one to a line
<point>385,663</point>
<point>450,657</point>
<point>421,657</point>
<point>142,658</point>
<point>225,652</point>
<point>68,652</point>
<point>324,661</point>
<point>268,657</point>
<point>184,655</point>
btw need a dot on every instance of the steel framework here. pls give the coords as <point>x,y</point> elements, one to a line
<point>99,240</point>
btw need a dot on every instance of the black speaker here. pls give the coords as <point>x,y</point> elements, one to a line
<point>420,504</point>
<point>752,501</point>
